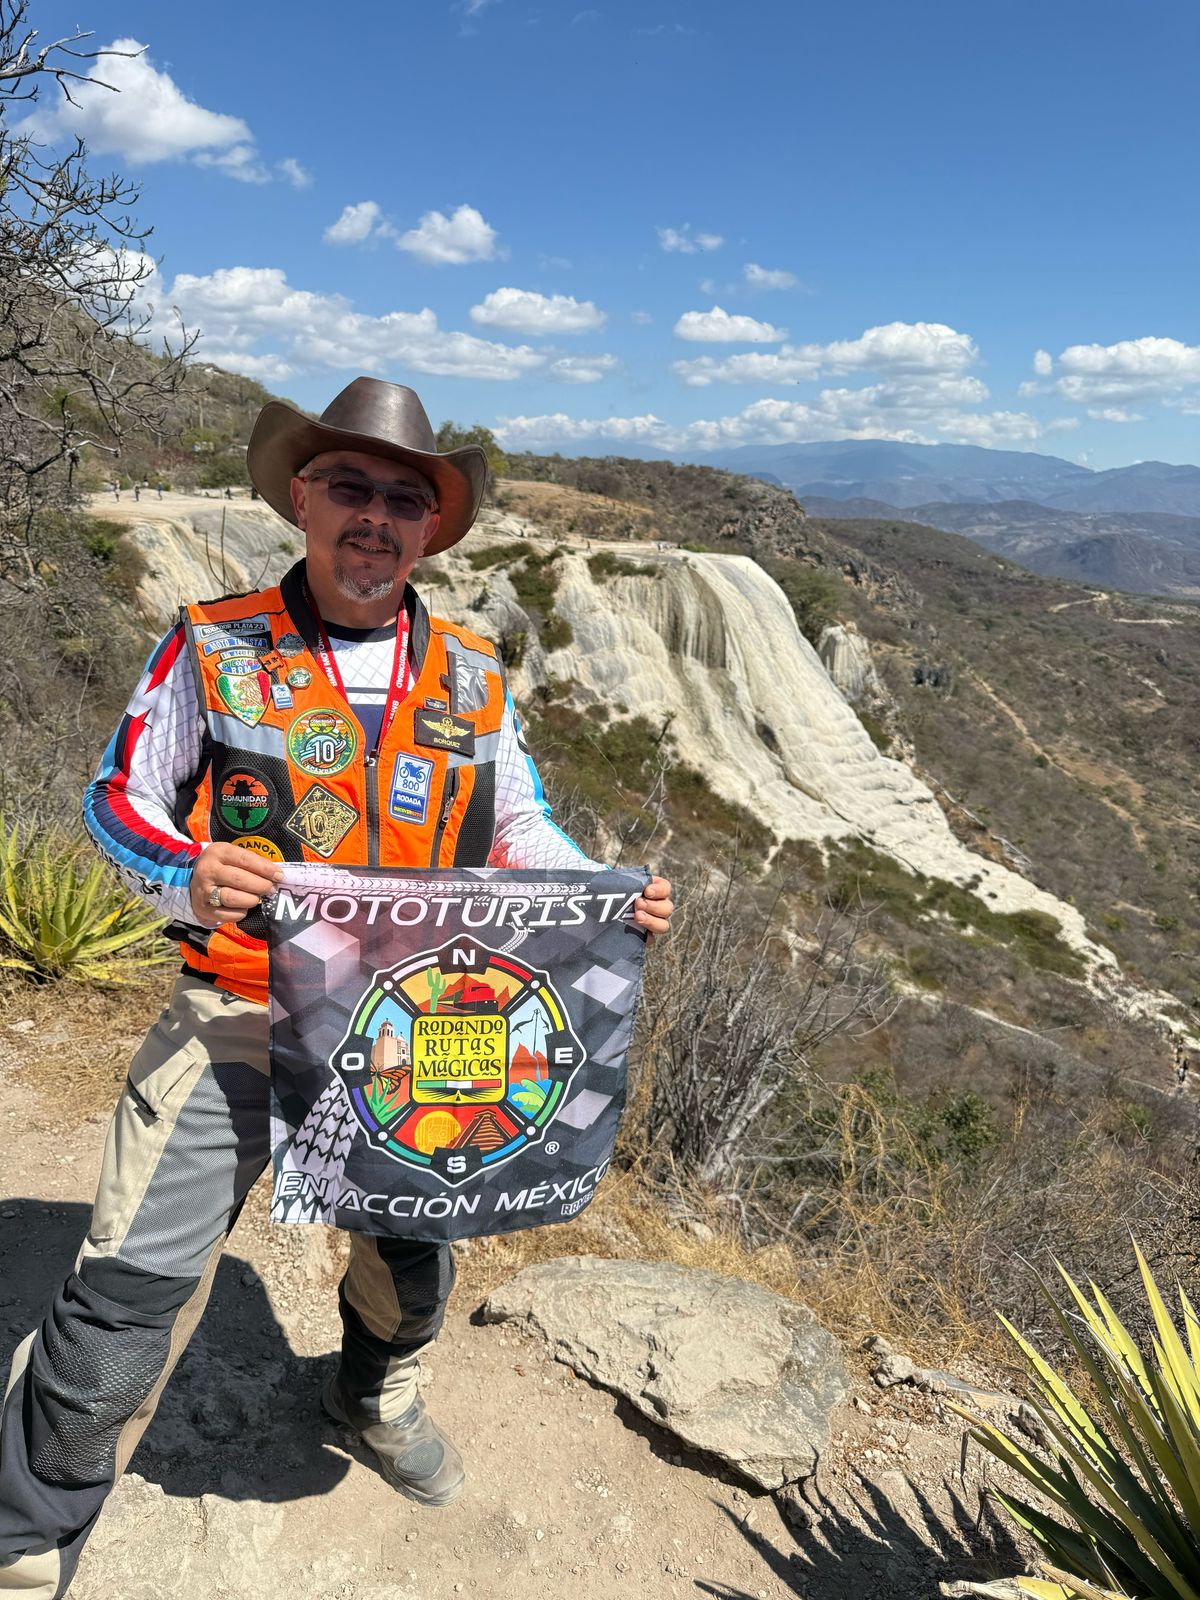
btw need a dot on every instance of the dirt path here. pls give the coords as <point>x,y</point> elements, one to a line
<point>241,1489</point>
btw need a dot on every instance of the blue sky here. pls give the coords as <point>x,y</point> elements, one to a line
<point>691,225</point>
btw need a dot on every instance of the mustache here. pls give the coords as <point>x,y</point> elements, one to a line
<point>372,535</point>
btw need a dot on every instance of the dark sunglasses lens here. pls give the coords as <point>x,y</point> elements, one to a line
<point>350,492</point>
<point>406,504</point>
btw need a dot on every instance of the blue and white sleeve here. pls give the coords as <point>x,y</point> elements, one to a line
<point>526,835</point>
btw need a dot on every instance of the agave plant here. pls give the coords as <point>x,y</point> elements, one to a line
<point>1126,1466</point>
<point>62,916</point>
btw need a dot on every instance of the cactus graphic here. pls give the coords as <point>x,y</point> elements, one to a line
<point>437,988</point>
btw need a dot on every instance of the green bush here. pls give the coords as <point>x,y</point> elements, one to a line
<point>604,564</point>
<point>62,915</point>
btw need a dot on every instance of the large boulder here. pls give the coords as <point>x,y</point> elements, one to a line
<point>727,1367</point>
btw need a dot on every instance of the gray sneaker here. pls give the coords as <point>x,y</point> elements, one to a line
<point>414,1455</point>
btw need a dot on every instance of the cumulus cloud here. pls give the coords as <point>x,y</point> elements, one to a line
<point>356,224</point>
<point>252,318</point>
<point>720,327</point>
<point>240,161</point>
<point>450,241</point>
<point>1043,363</point>
<point>1130,370</point>
<point>768,278</point>
<point>1113,414</point>
<point>893,347</point>
<point>685,242</point>
<point>148,118</point>
<point>525,311</point>
<point>910,414</point>
<point>582,369</point>
<point>299,177</point>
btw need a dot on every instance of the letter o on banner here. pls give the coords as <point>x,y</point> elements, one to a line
<point>408,922</point>
<point>338,899</point>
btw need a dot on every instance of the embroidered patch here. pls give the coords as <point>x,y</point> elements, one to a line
<point>299,677</point>
<point>409,798</point>
<point>321,820</point>
<point>282,696</point>
<point>245,694</point>
<point>244,801</point>
<point>442,731</point>
<point>259,626</point>
<point>321,743</point>
<point>272,660</point>
<point>289,644</point>
<point>261,847</point>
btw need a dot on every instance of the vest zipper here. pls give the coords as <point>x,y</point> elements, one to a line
<point>448,799</point>
<point>372,786</point>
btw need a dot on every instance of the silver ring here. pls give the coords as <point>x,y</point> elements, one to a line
<point>214,897</point>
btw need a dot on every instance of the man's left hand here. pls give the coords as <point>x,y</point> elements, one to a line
<point>653,907</point>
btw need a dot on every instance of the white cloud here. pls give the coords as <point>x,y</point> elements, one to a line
<point>1113,414</point>
<point>768,278</point>
<point>525,311</point>
<point>299,177</point>
<point>356,223</point>
<point>720,327</point>
<point>1130,370</point>
<point>911,414</point>
<point>240,161</point>
<point>685,242</point>
<point>893,347</point>
<point>267,369</point>
<point>1043,363</point>
<point>582,369</point>
<point>450,241</point>
<point>254,315</point>
<point>147,119</point>
<point>643,319</point>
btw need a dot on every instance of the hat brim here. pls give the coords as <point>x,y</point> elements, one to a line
<point>284,441</point>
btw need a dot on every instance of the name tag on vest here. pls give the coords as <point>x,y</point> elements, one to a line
<point>442,730</point>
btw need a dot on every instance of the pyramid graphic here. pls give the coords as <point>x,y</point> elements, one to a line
<point>485,1131</point>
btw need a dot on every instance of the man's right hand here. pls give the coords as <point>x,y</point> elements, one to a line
<point>243,878</point>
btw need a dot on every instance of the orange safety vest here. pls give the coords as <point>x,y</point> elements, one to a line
<point>285,766</point>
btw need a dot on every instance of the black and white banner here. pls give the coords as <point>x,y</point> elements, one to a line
<point>447,1048</point>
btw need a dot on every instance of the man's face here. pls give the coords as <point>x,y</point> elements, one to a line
<point>368,553</point>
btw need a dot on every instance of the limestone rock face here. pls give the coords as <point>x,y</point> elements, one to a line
<point>846,657</point>
<point>705,642</point>
<point>727,1367</point>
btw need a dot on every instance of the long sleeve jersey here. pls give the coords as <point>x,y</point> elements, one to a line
<point>129,807</point>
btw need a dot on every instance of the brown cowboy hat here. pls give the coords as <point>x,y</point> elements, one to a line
<point>381,419</point>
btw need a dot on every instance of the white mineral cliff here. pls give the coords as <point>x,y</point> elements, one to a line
<point>708,641</point>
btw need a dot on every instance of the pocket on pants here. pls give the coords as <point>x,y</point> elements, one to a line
<point>157,1073</point>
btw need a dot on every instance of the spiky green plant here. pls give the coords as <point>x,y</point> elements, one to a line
<point>1125,1466</point>
<point>64,916</point>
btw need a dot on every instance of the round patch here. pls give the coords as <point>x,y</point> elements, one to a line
<point>261,847</point>
<point>289,644</point>
<point>470,1060</point>
<point>299,677</point>
<point>322,743</point>
<point>244,801</point>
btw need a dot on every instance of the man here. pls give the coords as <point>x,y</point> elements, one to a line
<point>267,728</point>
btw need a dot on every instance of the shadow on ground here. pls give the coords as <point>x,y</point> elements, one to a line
<point>240,1417</point>
<point>892,1546</point>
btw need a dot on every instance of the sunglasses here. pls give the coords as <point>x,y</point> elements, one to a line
<point>404,501</point>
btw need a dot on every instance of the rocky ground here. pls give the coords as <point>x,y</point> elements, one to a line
<point>241,1488</point>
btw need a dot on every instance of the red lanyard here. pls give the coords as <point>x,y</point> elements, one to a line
<point>401,681</point>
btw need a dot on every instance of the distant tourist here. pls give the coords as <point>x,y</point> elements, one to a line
<point>160,490</point>
<point>116,489</point>
<point>137,491</point>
